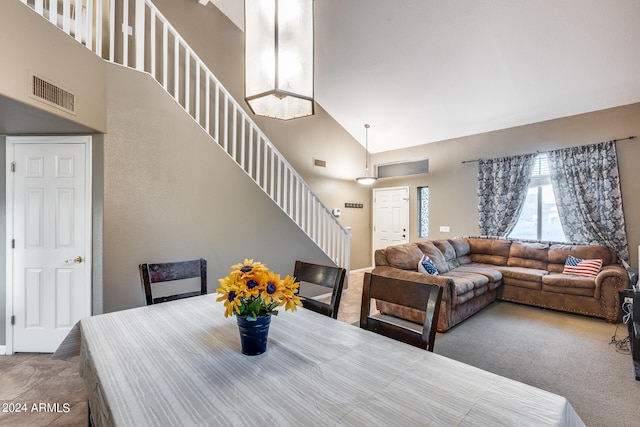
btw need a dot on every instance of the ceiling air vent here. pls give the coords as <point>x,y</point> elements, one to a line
<point>52,94</point>
<point>403,168</point>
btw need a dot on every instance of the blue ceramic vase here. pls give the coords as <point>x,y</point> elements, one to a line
<point>254,334</point>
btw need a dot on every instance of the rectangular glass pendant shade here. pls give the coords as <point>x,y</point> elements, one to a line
<point>279,57</point>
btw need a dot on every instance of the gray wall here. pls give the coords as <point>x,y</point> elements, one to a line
<point>162,189</point>
<point>220,44</point>
<point>453,185</point>
<point>30,46</point>
<point>171,193</point>
<point>97,191</point>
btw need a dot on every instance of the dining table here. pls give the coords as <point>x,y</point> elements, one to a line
<point>180,364</point>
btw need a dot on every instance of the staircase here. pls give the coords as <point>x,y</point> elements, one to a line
<point>135,34</point>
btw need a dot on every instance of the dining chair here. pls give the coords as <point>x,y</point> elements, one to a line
<point>320,275</point>
<point>151,274</point>
<point>421,296</point>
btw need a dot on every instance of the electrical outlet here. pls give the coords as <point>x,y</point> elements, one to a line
<point>445,229</point>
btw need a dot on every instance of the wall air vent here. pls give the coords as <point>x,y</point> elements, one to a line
<point>52,94</point>
<point>414,167</point>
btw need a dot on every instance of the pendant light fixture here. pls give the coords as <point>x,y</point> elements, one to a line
<point>366,179</point>
<point>279,57</point>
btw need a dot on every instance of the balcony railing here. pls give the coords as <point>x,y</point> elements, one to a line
<point>135,34</point>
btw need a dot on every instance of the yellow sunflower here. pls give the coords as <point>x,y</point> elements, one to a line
<point>230,294</point>
<point>252,290</point>
<point>253,286</point>
<point>273,289</point>
<point>290,298</point>
<point>248,268</point>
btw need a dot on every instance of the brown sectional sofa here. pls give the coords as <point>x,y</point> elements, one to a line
<point>476,271</point>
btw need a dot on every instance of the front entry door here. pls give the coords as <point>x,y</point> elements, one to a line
<point>49,225</point>
<point>390,216</point>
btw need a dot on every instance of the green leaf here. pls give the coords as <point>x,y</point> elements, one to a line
<point>255,306</point>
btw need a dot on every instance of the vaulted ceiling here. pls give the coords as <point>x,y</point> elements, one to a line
<point>421,71</point>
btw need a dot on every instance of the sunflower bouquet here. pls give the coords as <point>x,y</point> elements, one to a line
<point>251,290</point>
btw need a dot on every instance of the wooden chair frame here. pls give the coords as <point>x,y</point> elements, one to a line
<point>168,271</point>
<point>330,277</point>
<point>421,296</point>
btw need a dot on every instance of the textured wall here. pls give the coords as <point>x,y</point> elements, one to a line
<point>171,193</point>
<point>453,185</point>
<point>46,51</point>
<point>220,44</point>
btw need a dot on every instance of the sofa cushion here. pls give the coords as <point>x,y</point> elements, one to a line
<point>397,310</point>
<point>558,255</point>
<point>571,285</point>
<point>380,257</point>
<point>528,255</point>
<point>477,280</point>
<point>487,270</point>
<point>434,253</point>
<point>582,267</point>
<point>522,277</point>
<point>426,266</point>
<point>461,285</point>
<point>404,257</point>
<point>462,298</point>
<point>448,251</point>
<point>489,251</point>
<point>480,291</point>
<point>463,250</point>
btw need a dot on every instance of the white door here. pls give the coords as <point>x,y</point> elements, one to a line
<point>49,229</point>
<point>390,216</point>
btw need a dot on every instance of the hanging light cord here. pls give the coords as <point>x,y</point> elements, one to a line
<point>366,148</point>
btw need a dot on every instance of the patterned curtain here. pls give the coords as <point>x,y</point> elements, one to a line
<point>586,185</point>
<point>502,190</point>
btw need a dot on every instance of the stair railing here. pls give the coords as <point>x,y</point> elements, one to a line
<point>148,43</point>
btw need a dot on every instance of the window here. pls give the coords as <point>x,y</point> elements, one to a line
<point>539,218</point>
<point>423,212</point>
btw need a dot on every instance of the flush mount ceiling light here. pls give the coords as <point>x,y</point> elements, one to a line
<point>279,57</point>
<point>366,179</point>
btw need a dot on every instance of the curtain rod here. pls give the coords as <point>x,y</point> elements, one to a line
<point>615,140</point>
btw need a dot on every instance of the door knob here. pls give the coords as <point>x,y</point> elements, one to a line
<point>77,260</point>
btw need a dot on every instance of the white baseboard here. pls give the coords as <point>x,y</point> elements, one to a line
<point>3,350</point>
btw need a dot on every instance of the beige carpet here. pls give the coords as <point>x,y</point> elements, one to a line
<point>563,353</point>
<point>566,354</point>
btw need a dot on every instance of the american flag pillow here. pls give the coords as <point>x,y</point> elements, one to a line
<point>582,267</point>
<point>427,266</point>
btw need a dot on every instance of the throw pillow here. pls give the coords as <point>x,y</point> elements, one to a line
<point>427,266</point>
<point>582,267</point>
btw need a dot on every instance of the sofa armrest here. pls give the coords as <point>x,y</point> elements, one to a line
<point>416,276</point>
<point>610,281</point>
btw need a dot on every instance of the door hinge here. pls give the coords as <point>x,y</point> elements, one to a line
<point>13,319</point>
<point>13,166</point>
